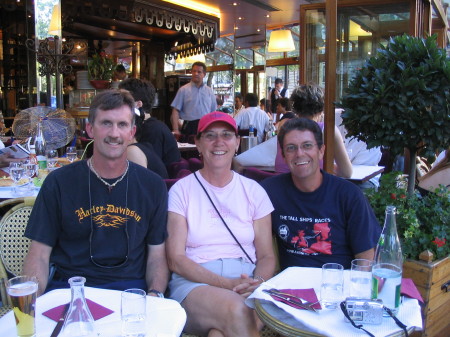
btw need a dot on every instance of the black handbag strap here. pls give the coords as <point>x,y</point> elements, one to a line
<point>228,228</point>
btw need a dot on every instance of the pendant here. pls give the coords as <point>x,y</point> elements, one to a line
<point>110,189</point>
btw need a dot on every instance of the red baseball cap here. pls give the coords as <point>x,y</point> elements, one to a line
<point>216,116</point>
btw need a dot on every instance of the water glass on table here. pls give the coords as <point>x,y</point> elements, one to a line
<point>133,312</point>
<point>361,278</point>
<point>71,153</point>
<point>52,158</point>
<point>16,171</point>
<point>22,290</point>
<point>332,287</point>
<point>30,170</point>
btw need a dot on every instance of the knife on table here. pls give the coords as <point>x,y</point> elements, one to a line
<point>60,323</point>
<point>289,300</point>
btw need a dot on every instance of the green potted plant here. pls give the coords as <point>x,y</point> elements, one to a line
<point>400,99</point>
<point>422,221</point>
<point>100,70</point>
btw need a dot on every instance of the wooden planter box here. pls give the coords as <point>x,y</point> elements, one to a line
<point>430,279</point>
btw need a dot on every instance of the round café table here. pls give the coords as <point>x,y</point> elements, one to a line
<point>286,325</point>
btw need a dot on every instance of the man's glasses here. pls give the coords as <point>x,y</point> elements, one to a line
<point>109,266</point>
<point>293,148</point>
<point>211,136</point>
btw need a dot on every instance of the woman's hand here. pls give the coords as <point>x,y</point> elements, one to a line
<point>247,285</point>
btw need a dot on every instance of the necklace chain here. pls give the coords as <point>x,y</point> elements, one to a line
<point>110,186</point>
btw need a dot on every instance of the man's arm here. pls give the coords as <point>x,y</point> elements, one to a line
<point>157,272</point>
<point>37,263</point>
<point>174,120</point>
<point>368,254</point>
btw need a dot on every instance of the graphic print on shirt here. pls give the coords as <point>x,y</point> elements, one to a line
<point>109,216</point>
<point>309,237</point>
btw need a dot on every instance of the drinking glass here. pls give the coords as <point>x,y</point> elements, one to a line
<point>332,288</point>
<point>80,153</point>
<point>361,279</point>
<point>71,153</point>
<point>22,290</point>
<point>133,310</point>
<point>16,172</point>
<point>52,158</point>
<point>30,171</point>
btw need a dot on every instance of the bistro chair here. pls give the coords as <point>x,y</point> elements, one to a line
<point>174,168</point>
<point>13,245</point>
<point>195,164</point>
<point>257,174</point>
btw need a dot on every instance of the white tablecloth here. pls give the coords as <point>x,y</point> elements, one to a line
<point>332,322</point>
<point>165,317</point>
<point>8,192</point>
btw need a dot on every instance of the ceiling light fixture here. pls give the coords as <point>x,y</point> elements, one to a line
<point>191,59</point>
<point>196,6</point>
<point>281,41</point>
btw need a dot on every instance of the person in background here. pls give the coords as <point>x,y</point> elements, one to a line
<point>308,101</point>
<point>142,153</point>
<point>283,107</point>
<point>212,274</point>
<point>318,218</point>
<point>192,101</point>
<point>276,93</point>
<point>359,154</point>
<point>102,218</point>
<point>252,115</point>
<point>153,130</point>
<point>438,175</point>
<point>120,73</point>
<point>263,107</point>
<point>238,104</point>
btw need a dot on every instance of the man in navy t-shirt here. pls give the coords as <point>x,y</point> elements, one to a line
<point>318,218</point>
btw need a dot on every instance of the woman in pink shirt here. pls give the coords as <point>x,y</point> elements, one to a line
<point>214,267</point>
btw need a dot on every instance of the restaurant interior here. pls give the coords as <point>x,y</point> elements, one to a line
<point>159,40</point>
<point>46,45</point>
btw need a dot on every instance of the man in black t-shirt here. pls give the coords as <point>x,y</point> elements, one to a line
<point>105,218</point>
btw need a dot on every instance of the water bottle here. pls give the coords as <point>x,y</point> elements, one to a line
<point>388,264</point>
<point>39,146</point>
<point>251,131</point>
<point>271,132</point>
<point>78,321</point>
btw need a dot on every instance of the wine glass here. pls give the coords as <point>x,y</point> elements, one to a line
<point>30,170</point>
<point>71,153</point>
<point>52,158</point>
<point>16,172</point>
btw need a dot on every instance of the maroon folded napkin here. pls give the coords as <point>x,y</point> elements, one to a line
<point>307,294</point>
<point>98,311</point>
<point>409,289</point>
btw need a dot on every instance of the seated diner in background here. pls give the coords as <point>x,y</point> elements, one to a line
<point>308,102</point>
<point>438,175</point>
<point>214,270</point>
<point>153,131</point>
<point>253,115</point>
<point>142,153</point>
<point>318,218</point>
<point>104,218</point>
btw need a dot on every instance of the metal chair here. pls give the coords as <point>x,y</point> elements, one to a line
<point>13,245</point>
